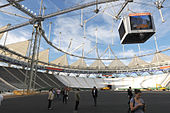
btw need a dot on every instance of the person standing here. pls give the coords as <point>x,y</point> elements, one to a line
<point>1,98</point>
<point>137,104</point>
<point>50,98</point>
<point>95,94</point>
<point>130,94</point>
<point>65,95</point>
<point>77,98</point>
<point>58,93</point>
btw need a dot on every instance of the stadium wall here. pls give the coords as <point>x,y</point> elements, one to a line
<point>151,81</point>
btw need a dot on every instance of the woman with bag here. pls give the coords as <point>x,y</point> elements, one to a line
<point>137,104</point>
<point>50,98</point>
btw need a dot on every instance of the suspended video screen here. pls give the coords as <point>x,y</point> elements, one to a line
<point>122,30</point>
<point>141,21</point>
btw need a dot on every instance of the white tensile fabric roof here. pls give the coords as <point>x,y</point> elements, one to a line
<point>80,63</point>
<point>62,61</point>
<point>19,47</point>
<point>43,56</point>
<point>3,28</point>
<point>160,58</point>
<point>116,64</point>
<point>136,61</point>
<point>97,64</point>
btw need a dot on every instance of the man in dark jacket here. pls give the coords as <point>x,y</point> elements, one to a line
<point>130,94</point>
<point>65,95</point>
<point>77,98</point>
<point>95,94</point>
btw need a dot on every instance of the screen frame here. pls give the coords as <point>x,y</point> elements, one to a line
<point>150,20</point>
<point>136,31</point>
<point>127,25</point>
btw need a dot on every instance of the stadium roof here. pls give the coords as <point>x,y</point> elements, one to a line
<point>2,28</point>
<point>160,58</point>
<point>19,47</point>
<point>80,63</point>
<point>62,61</point>
<point>116,64</point>
<point>44,56</point>
<point>136,61</point>
<point>97,64</point>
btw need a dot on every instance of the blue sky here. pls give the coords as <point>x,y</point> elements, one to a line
<point>69,26</point>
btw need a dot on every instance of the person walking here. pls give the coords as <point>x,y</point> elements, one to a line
<point>58,93</point>
<point>77,98</point>
<point>130,95</point>
<point>95,94</point>
<point>65,95</point>
<point>50,98</point>
<point>1,98</point>
<point>137,104</point>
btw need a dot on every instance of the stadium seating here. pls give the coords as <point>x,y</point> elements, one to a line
<point>11,78</point>
<point>54,81</point>
<point>4,87</point>
<point>82,82</point>
<point>149,81</point>
<point>16,78</point>
<point>99,82</point>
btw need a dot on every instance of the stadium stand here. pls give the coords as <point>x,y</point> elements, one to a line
<point>124,82</point>
<point>14,78</point>
<point>11,78</point>
<point>44,79</point>
<point>99,82</point>
<point>91,82</point>
<point>166,81</point>
<point>54,81</point>
<point>64,80</point>
<point>19,75</point>
<point>82,82</point>
<point>4,87</point>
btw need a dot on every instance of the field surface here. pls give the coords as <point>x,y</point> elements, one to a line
<point>108,102</point>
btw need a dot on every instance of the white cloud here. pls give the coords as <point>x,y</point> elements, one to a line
<point>12,38</point>
<point>17,35</point>
<point>164,47</point>
<point>70,29</point>
<point>132,53</point>
<point>104,34</point>
<point>128,53</point>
